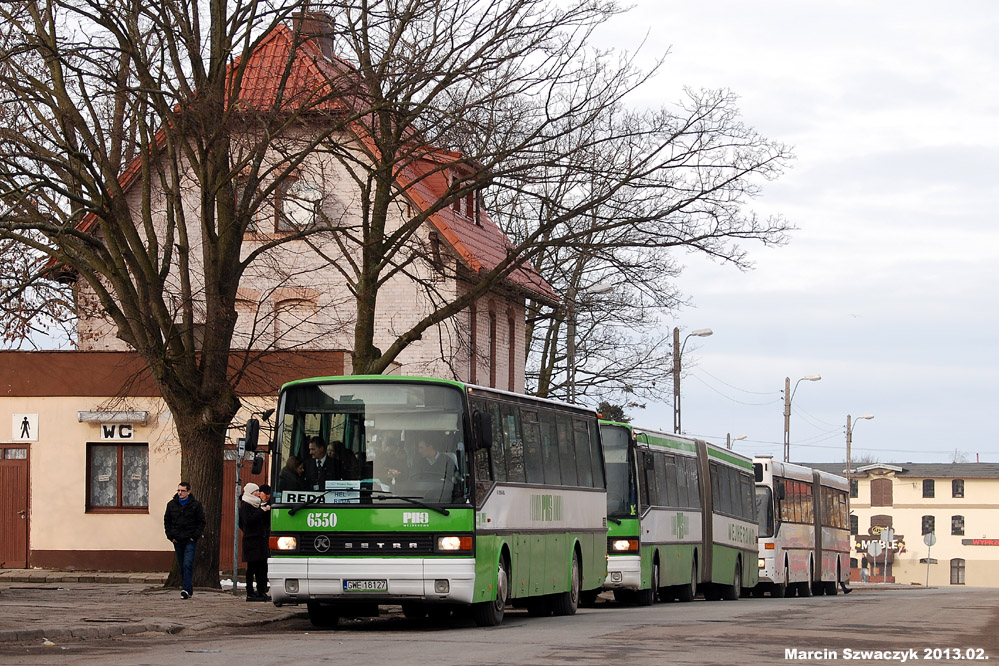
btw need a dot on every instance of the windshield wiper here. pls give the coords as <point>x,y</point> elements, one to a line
<point>311,502</point>
<point>388,495</point>
<point>614,519</point>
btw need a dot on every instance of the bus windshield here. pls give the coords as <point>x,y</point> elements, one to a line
<point>619,496</point>
<point>372,441</point>
<point>765,511</point>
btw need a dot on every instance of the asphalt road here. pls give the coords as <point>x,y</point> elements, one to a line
<point>867,627</point>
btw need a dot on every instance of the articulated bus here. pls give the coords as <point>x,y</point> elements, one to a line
<point>440,496</point>
<point>682,517</point>
<point>804,529</point>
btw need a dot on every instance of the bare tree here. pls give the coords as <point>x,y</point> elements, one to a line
<point>141,145</point>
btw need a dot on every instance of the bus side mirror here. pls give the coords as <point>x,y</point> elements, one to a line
<point>252,434</point>
<point>780,490</point>
<point>258,465</point>
<point>482,429</point>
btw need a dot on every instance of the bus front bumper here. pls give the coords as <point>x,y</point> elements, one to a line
<point>371,580</point>
<point>623,572</point>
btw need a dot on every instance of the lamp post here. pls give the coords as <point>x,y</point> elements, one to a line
<point>570,343</point>
<point>729,439</point>
<point>849,442</point>
<point>788,397</point>
<point>677,353</point>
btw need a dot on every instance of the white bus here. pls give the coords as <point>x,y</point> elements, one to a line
<point>804,527</point>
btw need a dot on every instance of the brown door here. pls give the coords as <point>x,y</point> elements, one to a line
<point>14,506</point>
<point>229,504</point>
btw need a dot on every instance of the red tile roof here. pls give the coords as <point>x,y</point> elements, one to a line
<point>307,82</point>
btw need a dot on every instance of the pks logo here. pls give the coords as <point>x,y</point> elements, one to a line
<point>416,518</point>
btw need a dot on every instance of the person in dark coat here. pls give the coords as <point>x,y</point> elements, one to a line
<point>184,523</point>
<point>255,521</point>
<point>291,475</point>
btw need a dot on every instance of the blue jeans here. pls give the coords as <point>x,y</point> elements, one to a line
<point>185,558</point>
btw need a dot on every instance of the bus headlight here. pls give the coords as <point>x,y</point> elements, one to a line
<point>624,545</point>
<point>453,544</point>
<point>761,563</point>
<point>284,543</point>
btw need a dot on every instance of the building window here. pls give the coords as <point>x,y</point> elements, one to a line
<point>854,524</point>
<point>957,488</point>
<point>957,525</point>
<point>472,359</point>
<point>492,349</point>
<point>957,571</point>
<point>117,477</point>
<point>854,488</point>
<point>929,524</point>
<point>512,360</point>
<point>929,488</point>
<point>881,492</point>
<point>295,204</point>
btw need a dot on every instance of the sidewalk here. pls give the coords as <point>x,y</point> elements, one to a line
<point>59,606</point>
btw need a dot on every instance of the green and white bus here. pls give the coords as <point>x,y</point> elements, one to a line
<point>682,517</point>
<point>442,496</point>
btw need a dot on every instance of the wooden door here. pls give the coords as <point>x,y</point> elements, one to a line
<point>14,506</point>
<point>229,504</point>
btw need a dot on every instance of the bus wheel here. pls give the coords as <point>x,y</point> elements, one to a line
<point>832,588</point>
<point>322,616</point>
<point>566,603</point>
<point>689,591</point>
<point>414,610</point>
<point>647,597</point>
<point>779,590</point>
<point>734,591</point>
<point>490,613</point>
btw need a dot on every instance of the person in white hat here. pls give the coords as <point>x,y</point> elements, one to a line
<point>255,521</point>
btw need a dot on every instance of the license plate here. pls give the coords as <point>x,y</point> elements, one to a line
<point>365,586</point>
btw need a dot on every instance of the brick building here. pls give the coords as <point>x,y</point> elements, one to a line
<point>93,457</point>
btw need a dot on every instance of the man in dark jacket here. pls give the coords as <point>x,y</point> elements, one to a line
<point>184,522</point>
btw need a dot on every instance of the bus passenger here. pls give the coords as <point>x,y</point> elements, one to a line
<point>291,475</point>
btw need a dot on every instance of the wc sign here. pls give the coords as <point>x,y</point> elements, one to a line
<point>117,431</point>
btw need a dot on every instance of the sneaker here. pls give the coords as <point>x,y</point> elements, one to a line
<point>184,594</point>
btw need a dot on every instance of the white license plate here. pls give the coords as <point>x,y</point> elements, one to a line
<point>365,586</point>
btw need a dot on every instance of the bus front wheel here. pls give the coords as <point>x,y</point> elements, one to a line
<point>490,613</point>
<point>647,597</point>
<point>779,590</point>
<point>322,616</point>
<point>734,591</point>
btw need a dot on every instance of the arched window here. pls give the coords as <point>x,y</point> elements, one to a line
<point>929,488</point>
<point>492,348</point>
<point>294,322</point>
<point>929,524</point>
<point>957,488</point>
<point>957,571</point>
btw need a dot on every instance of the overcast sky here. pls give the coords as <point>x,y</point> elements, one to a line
<point>889,288</point>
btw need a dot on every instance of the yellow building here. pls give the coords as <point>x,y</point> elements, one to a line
<point>958,503</point>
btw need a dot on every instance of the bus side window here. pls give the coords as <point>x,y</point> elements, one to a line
<point>533,459</point>
<point>549,448</point>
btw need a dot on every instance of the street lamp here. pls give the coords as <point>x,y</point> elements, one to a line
<point>729,439</point>
<point>849,442</point>
<point>570,343</point>
<point>677,353</point>
<point>788,397</point>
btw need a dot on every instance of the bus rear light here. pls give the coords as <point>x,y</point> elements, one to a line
<point>625,545</point>
<point>284,543</point>
<point>761,563</point>
<point>453,544</point>
<point>769,546</point>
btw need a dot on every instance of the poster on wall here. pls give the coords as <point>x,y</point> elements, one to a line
<point>24,428</point>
